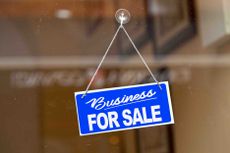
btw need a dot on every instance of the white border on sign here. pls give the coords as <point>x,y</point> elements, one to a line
<point>124,87</point>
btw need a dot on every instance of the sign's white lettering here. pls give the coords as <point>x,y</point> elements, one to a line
<point>100,103</point>
<point>110,119</point>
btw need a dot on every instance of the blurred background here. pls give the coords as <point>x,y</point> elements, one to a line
<point>49,49</point>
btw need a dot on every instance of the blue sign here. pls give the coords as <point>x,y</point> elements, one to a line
<point>123,108</point>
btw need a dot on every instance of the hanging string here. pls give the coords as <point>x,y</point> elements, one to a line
<point>142,59</point>
<point>122,20</point>
<point>103,58</point>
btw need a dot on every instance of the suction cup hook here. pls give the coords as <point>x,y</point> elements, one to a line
<point>122,16</point>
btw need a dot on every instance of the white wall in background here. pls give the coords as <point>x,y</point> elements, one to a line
<point>214,17</point>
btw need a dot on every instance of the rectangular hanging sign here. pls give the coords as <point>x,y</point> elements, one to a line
<point>123,108</point>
